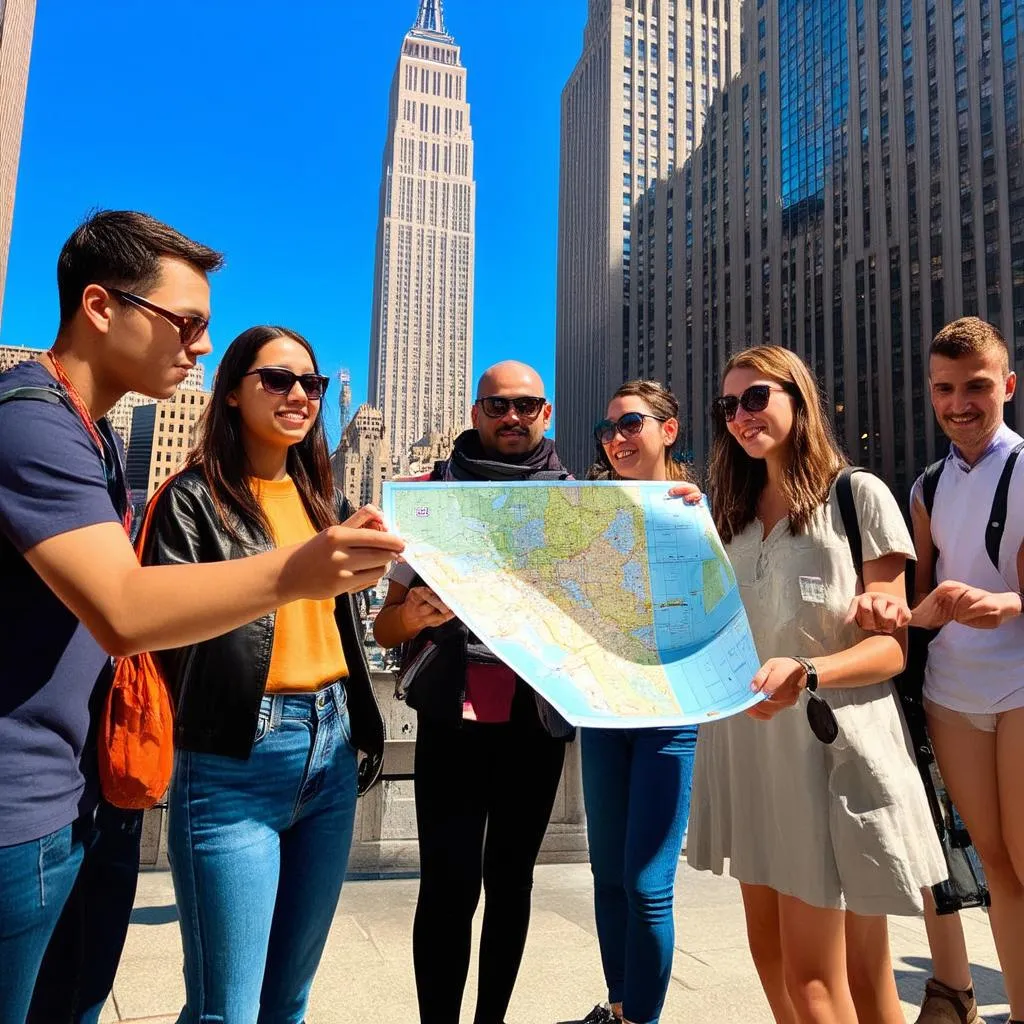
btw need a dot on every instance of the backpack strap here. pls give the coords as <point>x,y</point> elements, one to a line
<point>848,511</point>
<point>930,484</point>
<point>997,517</point>
<point>39,394</point>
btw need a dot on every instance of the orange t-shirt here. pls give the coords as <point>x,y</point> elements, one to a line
<point>307,650</point>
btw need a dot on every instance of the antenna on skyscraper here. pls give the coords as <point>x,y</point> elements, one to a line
<point>345,398</point>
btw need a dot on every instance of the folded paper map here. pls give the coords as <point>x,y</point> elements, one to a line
<point>613,600</point>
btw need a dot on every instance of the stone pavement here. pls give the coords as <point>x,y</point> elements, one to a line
<point>366,973</point>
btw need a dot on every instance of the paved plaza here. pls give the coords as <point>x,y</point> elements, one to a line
<point>366,972</point>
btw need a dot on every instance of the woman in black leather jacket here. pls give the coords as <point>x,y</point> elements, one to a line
<point>271,717</point>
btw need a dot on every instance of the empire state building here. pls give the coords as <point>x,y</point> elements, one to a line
<point>421,341</point>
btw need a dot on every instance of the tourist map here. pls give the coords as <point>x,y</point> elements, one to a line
<point>612,599</point>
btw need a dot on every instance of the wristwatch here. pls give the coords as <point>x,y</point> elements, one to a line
<point>812,673</point>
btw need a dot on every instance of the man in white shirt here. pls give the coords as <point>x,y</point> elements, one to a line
<point>969,536</point>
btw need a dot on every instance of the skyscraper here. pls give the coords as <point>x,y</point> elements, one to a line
<point>344,398</point>
<point>421,339</point>
<point>632,111</point>
<point>858,186</point>
<point>162,435</point>
<point>16,20</point>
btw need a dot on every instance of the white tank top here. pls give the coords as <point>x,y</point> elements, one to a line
<point>977,671</point>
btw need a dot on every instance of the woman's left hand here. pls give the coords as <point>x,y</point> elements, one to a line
<point>690,493</point>
<point>878,612</point>
<point>780,680</point>
<point>369,517</point>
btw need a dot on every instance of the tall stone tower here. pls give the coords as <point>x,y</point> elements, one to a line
<point>16,20</point>
<point>421,340</point>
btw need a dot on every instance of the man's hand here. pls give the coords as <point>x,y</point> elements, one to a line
<point>878,612</point>
<point>422,609</point>
<point>690,493</point>
<point>339,560</point>
<point>951,601</point>
<point>780,680</point>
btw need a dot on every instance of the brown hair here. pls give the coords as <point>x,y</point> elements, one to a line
<point>735,480</point>
<point>662,403</point>
<point>219,452</point>
<point>970,336</point>
<point>123,249</point>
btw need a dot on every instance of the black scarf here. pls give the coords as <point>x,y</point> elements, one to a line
<point>469,462</point>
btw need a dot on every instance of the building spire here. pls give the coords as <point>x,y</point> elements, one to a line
<point>431,17</point>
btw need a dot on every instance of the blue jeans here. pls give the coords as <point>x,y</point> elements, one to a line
<point>636,788</point>
<point>35,880</point>
<point>81,959</point>
<point>258,852</point>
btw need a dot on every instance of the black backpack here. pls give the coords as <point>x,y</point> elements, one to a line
<point>966,884</point>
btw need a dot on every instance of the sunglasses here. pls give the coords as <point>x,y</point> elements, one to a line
<point>628,425</point>
<point>277,380</point>
<point>754,399</point>
<point>190,328</point>
<point>822,719</point>
<point>526,408</point>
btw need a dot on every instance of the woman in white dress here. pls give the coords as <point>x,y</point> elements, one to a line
<point>813,797</point>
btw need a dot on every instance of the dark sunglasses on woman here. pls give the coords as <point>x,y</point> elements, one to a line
<point>526,407</point>
<point>628,425</point>
<point>277,380</point>
<point>754,399</point>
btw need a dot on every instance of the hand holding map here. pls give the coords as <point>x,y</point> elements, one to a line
<point>612,599</point>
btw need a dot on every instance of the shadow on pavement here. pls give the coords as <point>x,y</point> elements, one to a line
<point>155,915</point>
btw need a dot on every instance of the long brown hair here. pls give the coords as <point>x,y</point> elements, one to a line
<point>220,453</point>
<point>662,403</point>
<point>735,480</point>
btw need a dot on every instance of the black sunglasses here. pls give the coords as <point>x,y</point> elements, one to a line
<point>190,328</point>
<point>822,719</point>
<point>526,408</point>
<point>754,399</point>
<point>628,425</point>
<point>277,380</point>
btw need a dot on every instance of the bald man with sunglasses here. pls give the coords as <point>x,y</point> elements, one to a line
<point>489,750</point>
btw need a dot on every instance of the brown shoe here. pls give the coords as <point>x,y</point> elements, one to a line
<point>944,1005</point>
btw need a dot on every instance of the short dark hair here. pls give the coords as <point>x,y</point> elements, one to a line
<point>122,248</point>
<point>970,336</point>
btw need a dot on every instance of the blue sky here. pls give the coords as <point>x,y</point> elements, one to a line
<point>229,119</point>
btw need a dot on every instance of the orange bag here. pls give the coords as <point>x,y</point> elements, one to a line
<point>136,735</point>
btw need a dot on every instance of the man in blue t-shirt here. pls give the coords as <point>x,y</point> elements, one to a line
<point>134,310</point>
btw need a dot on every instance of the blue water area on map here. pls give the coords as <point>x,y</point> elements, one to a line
<point>529,536</point>
<point>499,501</point>
<point>621,535</point>
<point>634,579</point>
<point>576,592</point>
<point>681,621</point>
<point>647,636</point>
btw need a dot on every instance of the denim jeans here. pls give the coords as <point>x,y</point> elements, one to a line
<point>636,788</point>
<point>35,880</point>
<point>81,959</point>
<point>258,853</point>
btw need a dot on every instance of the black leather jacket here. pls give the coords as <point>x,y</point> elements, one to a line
<point>216,686</point>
